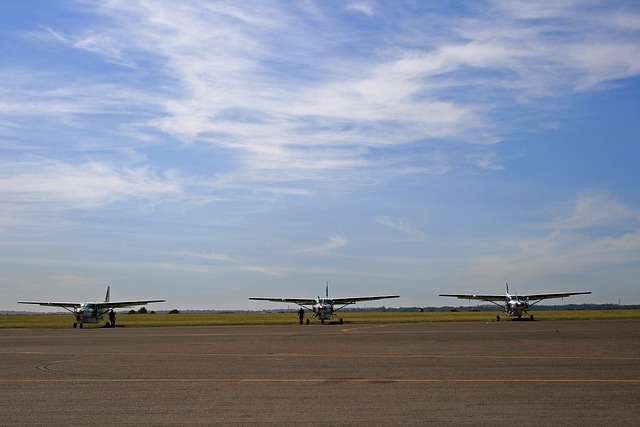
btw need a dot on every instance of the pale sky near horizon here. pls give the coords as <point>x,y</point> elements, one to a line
<point>208,151</point>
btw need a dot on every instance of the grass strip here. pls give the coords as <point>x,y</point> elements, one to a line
<point>46,321</point>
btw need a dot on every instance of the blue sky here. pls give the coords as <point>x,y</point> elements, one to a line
<point>206,152</point>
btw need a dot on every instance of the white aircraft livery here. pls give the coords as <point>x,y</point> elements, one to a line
<point>514,304</point>
<point>324,308</point>
<point>93,312</point>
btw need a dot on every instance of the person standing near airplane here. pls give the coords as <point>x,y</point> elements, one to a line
<point>301,315</point>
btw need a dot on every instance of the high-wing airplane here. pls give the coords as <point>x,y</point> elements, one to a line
<point>92,312</point>
<point>514,304</point>
<point>324,308</point>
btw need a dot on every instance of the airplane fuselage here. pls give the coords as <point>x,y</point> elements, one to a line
<point>516,306</point>
<point>88,313</point>
<point>323,309</point>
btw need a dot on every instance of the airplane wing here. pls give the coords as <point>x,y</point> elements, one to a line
<point>116,304</point>
<point>309,301</point>
<point>540,297</point>
<point>110,304</point>
<point>53,304</point>
<point>489,298</point>
<point>353,300</point>
<point>299,301</point>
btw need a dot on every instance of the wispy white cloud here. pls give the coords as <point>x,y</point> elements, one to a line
<point>265,271</point>
<point>600,231</point>
<point>334,242</point>
<point>365,8</point>
<point>44,186</point>
<point>234,264</point>
<point>107,47</point>
<point>414,234</point>
<point>174,266</point>
<point>219,70</point>
<point>45,34</point>
<point>212,256</point>
<point>310,112</point>
<point>597,209</point>
<point>485,161</point>
<point>70,102</point>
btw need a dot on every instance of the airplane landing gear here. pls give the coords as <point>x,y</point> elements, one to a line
<point>530,315</point>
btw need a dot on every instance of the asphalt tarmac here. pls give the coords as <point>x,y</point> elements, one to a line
<point>496,373</point>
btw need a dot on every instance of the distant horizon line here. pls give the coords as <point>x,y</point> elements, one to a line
<point>480,307</point>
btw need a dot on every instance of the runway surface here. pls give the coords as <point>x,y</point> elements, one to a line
<point>507,373</point>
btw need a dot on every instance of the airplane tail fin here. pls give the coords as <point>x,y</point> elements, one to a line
<point>506,284</point>
<point>326,292</point>
<point>106,298</point>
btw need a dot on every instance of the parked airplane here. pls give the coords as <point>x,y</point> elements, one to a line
<point>323,308</point>
<point>514,304</point>
<point>92,312</point>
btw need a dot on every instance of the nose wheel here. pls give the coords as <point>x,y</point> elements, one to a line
<point>518,318</point>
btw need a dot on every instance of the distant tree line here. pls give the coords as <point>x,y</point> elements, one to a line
<point>142,310</point>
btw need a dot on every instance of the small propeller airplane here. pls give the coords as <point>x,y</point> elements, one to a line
<point>92,312</point>
<point>514,304</point>
<point>324,308</point>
